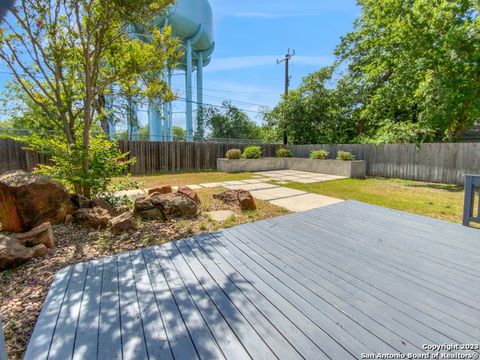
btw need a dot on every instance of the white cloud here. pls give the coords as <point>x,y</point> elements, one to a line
<point>270,15</point>
<point>278,8</point>
<point>243,62</point>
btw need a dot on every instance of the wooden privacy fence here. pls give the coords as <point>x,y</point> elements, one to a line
<point>151,156</point>
<point>443,163</point>
<point>154,157</point>
<point>440,162</point>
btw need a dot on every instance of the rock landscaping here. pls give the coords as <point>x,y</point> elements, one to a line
<point>94,228</point>
<point>30,200</point>
<point>241,198</point>
<point>15,250</point>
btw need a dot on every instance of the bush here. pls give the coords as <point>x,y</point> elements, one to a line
<point>283,153</point>
<point>252,152</point>
<point>319,154</point>
<point>345,156</point>
<point>105,159</point>
<point>233,154</point>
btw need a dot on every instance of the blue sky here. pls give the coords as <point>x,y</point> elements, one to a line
<point>250,35</point>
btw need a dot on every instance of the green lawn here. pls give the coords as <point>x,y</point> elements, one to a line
<point>439,201</point>
<point>186,178</point>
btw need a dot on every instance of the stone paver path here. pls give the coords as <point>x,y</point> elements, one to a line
<point>290,199</point>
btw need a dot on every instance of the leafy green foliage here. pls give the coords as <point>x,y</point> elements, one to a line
<point>345,156</point>
<point>229,122</point>
<point>400,133</point>
<point>315,113</point>
<point>105,158</point>
<point>66,57</point>
<point>283,153</point>
<point>179,133</point>
<point>416,62</point>
<point>233,154</point>
<point>319,154</point>
<point>413,75</point>
<point>252,152</point>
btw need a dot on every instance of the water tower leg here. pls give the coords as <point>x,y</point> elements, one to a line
<point>170,109</point>
<point>110,118</point>
<point>188,81</point>
<point>153,119</point>
<point>200,132</point>
<point>165,113</point>
<point>132,120</point>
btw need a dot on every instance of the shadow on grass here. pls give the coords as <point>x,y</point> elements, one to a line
<point>445,187</point>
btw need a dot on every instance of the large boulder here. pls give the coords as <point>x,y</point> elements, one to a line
<point>177,205</point>
<point>42,234</point>
<point>165,207</point>
<point>241,198</point>
<point>39,250</point>
<point>185,190</point>
<point>13,253</point>
<point>162,189</point>
<point>80,202</point>
<point>29,200</point>
<point>104,204</point>
<point>147,209</point>
<point>123,223</point>
<point>96,218</point>
<point>246,200</point>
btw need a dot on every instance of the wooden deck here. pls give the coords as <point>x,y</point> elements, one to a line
<point>332,283</point>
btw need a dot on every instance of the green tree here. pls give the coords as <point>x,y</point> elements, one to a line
<point>67,55</point>
<point>315,112</point>
<point>417,62</point>
<point>179,133</point>
<point>229,122</point>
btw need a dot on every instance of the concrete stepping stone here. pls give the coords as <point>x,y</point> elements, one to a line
<point>254,181</point>
<point>212,185</point>
<point>276,193</point>
<point>305,202</point>
<point>221,215</point>
<point>227,183</point>
<point>251,187</point>
<point>194,187</point>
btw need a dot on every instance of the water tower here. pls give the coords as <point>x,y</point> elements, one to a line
<point>192,22</point>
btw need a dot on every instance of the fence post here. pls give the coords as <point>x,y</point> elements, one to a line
<point>472,183</point>
<point>3,351</point>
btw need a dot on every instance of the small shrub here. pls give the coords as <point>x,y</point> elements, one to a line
<point>283,153</point>
<point>345,156</point>
<point>319,154</point>
<point>252,152</point>
<point>233,154</point>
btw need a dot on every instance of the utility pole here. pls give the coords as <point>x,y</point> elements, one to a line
<point>286,60</point>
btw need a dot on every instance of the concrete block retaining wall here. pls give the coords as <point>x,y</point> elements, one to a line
<point>350,169</point>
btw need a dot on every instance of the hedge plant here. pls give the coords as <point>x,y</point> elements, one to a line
<point>319,154</point>
<point>252,152</point>
<point>345,156</point>
<point>284,153</point>
<point>233,154</point>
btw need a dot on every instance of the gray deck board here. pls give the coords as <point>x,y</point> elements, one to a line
<point>331,283</point>
<point>454,310</point>
<point>87,330</point>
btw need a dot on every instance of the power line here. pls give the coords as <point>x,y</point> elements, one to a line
<point>286,60</point>
<point>231,100</point>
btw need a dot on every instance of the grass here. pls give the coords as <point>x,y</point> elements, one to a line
<point>440,201</point>
<point>185,178</point>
